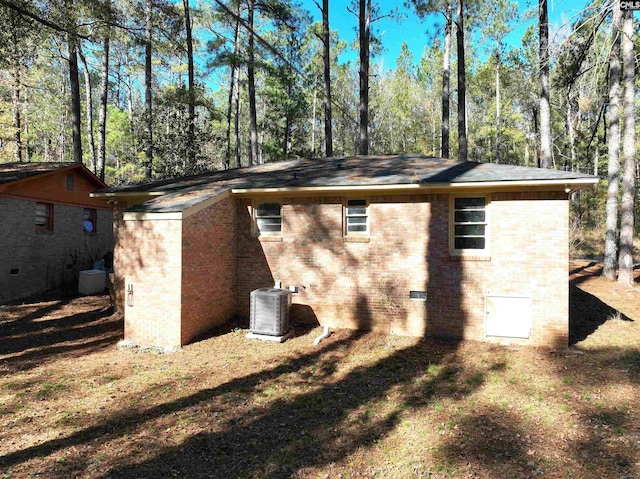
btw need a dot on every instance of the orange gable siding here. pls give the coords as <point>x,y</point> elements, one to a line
<point>53,188</point>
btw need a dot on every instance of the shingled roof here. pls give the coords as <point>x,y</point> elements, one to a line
<point>18,171</point>
<point>340,172</point>
<point>10,173</point>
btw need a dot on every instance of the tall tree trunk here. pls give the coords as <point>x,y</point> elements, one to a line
<point>88,109</point>
<point>613,172</point>
<point>287,135</point>
<point>625,265</point>
<point>74,83</point>
<point>236,118</point>
<point>313,122</point>
<point>571,135</point>
<point>147,90</point>
<point>289,112</point>
<point>25,116</point>
<point>446,81</point>
<point>498,60</point>
<point>227,156</point>
<point>545,108</point>
<point>62,151</point>
<point>462,84</point>
<point>261,136</point>
<point>326,49</point>
<point>232,87</point>
<point>435,148</point>
<point>129,84</point>
<point>191,132</point>
<point>15,60</point>
<point>120,101</point>
<point>253,117</point>
<point>536,133</point>
<point>102,115</point>
<point>364,33</point>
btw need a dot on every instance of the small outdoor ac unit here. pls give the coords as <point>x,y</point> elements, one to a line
<point>270,311</point>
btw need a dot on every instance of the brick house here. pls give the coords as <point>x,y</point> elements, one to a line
<point>51,228</point>
<point>404,244</point>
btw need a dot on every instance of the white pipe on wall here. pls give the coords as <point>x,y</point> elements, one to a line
<point>325,333</point>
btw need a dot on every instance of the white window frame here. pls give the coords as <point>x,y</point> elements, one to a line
<point>346,215</point>
<point>452,227</point>
<point>256,217</point>
<point>48,226</point>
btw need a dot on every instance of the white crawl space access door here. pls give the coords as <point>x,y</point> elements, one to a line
<point>508,316</point>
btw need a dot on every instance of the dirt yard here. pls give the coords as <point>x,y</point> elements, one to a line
<point>359,406</point>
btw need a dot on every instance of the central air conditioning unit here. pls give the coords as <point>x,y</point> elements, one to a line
<point>270,311</point>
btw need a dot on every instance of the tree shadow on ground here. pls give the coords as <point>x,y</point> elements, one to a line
<point>491,443</point>
<point>272,439</point>
<point>28,344</point>
<point>587,313</point>
<point>602,444</point>
<point>309,430</point>
<point>580,269</point>
<point>56,300</point>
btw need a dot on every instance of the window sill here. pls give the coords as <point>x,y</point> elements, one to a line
<point>469,257</point>
<point>356,239</point>
<point>270,239</point>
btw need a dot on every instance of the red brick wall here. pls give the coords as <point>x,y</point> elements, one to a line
<point>193,274</point>
<point>148,256</point>
<point>366,285</point>
<point>208,268</point>
<point>530,252</point>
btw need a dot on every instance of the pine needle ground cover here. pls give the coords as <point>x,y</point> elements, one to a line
<point>360,405</point>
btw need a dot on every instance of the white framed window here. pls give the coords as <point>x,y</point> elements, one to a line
<point>469,220</point>
<point>356,217</point>
<point>44,217</point>
<point>268,218</point>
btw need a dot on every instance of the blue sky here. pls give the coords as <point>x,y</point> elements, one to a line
<point>418,33</point>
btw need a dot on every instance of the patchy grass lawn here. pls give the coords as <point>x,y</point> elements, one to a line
<point>360,405</point>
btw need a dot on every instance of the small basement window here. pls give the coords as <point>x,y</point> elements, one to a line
<point>268,219</point>
<point>470,225</point>
<point>44,217</point>
<point>356,218</point>
<point>89,220</point>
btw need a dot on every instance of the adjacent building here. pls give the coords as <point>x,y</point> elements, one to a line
<point>51,228</point>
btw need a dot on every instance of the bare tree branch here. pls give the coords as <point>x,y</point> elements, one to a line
<point>25,13</point>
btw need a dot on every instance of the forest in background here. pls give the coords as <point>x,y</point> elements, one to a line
<point>148,89</point>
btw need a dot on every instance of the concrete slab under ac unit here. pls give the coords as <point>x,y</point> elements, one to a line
<point>275,339</point>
